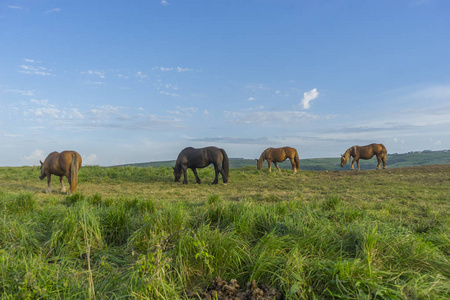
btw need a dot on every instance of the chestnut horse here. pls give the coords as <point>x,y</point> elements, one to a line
<point>66,163</point>
<point>279,155</point>
<point>191,158</point>
<point>365,152</point>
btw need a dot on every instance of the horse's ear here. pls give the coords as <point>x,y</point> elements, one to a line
<point>41,162</point>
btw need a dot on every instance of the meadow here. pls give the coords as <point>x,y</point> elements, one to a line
<point>132,232</point>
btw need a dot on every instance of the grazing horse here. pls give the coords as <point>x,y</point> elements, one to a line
<point>365,152</point>
<point>279,155</point>
<point>199,158</point>
<point>66,163</point>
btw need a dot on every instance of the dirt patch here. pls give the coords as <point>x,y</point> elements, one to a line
<point>222,290</point>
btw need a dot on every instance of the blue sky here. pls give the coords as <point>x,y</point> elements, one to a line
<point>137,81</point>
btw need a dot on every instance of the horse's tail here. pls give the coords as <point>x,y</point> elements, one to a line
<point>260,161</point>
<point>383,150</point>
<point>297,160</point>
<point>74,173</point>
<point>225,165</point>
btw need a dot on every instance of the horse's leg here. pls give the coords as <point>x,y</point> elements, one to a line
<point>216,171</point>
<point>353,161</point>
<point>194,170</point>
<point>185,175</point>
<point>379,162</point>
<point>384,162</point>
<point>276,165</point>
<point>49,185</point>
<point>294,168</point>
<point>270,165</point>
<point>63,188</point>
<point>222,172</point>
<point>357,164</point>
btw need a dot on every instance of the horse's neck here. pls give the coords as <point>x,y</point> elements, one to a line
<point>349,153</point>
<point>263,156</point>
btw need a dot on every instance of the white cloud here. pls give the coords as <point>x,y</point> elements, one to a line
<point>76,114</point>
<point>97,73</point>
<point>270,118</point>
<point>141,75</point>
<point>20,92</point>
<point>164,2</point>
<point>34,157</point>
<point>91,159</point>
<point>251,99</point>
<point>180,69</point>
<point>257,87</point>
<point>169,94</point>
<point>439,142</point>
<point>15,7</point>
<point>188,111</point>
<point>308,97</point>
<point>28,69</point>
<point>54,10</point>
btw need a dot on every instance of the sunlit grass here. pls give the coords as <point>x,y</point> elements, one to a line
<point>133,232</point>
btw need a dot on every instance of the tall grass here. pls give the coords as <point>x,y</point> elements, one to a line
<point>308,241</point>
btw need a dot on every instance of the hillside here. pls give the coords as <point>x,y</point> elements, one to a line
<point>332,164</point>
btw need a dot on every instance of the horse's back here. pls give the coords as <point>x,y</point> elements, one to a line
<point>59,163</point>
<point>376,148</point>
<point>199,158</point>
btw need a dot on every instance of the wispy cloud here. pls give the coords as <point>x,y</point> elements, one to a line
<point>15,7</point>
<point>177,69</point>
<point>257,87</point>
<point>183,111</point>
<point>169,94</point>
<point>269,118</point>
<point>141,75</point>
<point>164,2</point>
<point>231,140</point>
<point>34,157</point>
<point>308,97</point>
<point>34,70</point>
<point>54,10</point>
<point>95,73</point>
<point>20,92</point>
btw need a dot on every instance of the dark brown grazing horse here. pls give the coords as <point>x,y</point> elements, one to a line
<point>279,155</point>
<point>191,158</point>
<point>66,163</point>
<point>365,152</point>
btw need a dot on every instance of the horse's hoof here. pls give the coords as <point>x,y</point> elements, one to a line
<point>225,183</point>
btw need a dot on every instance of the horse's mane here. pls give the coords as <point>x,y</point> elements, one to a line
<point>349,152</point>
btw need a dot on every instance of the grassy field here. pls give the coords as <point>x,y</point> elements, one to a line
<point>132,232</point>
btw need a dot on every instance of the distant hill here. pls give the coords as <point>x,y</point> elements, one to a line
<point>333,164</point>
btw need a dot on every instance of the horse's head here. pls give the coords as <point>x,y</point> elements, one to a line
<point>259,164</point>
<point>177,174</point>
<point>343,160</point>
<point>42,176</point>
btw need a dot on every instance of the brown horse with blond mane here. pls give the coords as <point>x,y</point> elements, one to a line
<point>365,152</point>
<point>66,163</point>
<point>279,155</point>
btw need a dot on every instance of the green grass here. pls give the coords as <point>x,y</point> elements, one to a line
<point>133,232</point>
